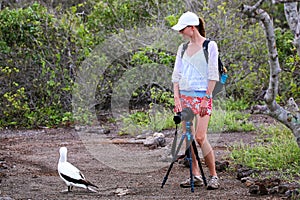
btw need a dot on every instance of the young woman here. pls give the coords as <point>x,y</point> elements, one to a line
<point>194,80</point>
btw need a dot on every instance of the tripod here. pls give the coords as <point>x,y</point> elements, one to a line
<point>190,141</point>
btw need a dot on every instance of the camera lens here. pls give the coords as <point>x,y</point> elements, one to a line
<point>177,118</point>
<point>186,115</point>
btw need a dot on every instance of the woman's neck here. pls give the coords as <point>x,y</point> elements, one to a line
<point>197,39</point>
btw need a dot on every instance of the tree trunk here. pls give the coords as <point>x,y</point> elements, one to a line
<point>284,1</point>
<point>275,110</point>
<point>292,16</point>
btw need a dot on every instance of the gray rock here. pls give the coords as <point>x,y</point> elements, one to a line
<point>149,141</point>
<point>157,140</point>
<point>254,189</point>
<point>222,166</point>
<point>244,179</point>
<point>244,173</point>
<point>274,190</point>
<point>283,188</point>
<point>144,134</point>
<point>6,198</point>
<point>263,190</point>
<point>292,193</point>
<point>248,183</point>
<point>160,141</point>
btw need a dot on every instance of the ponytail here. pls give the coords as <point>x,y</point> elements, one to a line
<point>201,27</point>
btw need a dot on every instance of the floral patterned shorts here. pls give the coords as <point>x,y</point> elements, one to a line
<point>194,103</point>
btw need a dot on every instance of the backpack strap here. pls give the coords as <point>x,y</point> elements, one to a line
<point>184,47</point>
<point>205,49</point>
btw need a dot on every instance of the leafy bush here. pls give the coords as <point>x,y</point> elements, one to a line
<point>36,67</point>
<point>149,58</point>
<point>289,61</point>
<point>276,150</point>
<point>153,119</point>
<point>112,16</point>
<point>229,121</point>
<point>41,53</point>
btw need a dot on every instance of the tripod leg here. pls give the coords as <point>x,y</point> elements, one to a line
<point>199,162</point>
<point>173,161</point>
<point>189,137</point>
<point>174,143</point>
<point>174,147</point>
<point>167,174</point>
<point>191,170</point>
<point>178,148</point>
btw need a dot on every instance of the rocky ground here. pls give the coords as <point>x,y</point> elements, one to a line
<point>122,167</point>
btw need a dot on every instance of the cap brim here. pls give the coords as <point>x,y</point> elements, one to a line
<point>179,27</point>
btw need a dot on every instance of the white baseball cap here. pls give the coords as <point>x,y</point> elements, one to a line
<point>186,19</point>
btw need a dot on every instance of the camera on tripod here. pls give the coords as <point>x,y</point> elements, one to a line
<point>186,114</point>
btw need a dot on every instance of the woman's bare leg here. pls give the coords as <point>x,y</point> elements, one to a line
<point>201,138</point>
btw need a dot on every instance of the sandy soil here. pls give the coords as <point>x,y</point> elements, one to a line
<point>28,169</point>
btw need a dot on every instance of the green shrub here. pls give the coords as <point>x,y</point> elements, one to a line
<point>36,69</point>
<point>276,150</point>
<point>154,119</point>
<point>289,61</point>
<point>229,121</point>
<point>41,53</point>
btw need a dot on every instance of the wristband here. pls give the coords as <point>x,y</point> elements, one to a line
<point>207,96</point>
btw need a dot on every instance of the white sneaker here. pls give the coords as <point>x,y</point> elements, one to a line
<point>213,183</point>
<point>198,182</point>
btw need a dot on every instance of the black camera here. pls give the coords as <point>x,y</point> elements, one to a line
<point>186,114</point>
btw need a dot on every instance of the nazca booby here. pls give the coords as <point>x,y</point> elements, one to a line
<point>70,174</point>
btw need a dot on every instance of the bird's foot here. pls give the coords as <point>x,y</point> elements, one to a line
<point>92,190</point>
<point>65,191</point>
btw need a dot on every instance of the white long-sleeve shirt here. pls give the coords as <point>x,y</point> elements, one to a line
<point>193,72</point>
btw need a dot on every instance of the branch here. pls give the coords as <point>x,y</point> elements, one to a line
<point>284,1</point>
<point>250,10</point>
<point>260,14</point>
<point>275,110</point>
<point>258,4</point>
<point>292,16</point>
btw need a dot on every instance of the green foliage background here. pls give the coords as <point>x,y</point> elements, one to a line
<point>41,48</point>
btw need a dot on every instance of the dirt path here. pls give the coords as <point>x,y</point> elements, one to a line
<point>28,170</point>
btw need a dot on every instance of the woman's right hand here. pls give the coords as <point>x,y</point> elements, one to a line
<point>177,102</point>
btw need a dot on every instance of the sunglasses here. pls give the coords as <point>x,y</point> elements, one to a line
<point>184,28</point>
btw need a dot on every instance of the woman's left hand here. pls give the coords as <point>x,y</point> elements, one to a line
<point>203,107</point>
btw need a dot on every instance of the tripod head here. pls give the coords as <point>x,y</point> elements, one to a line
<point>186,114</point>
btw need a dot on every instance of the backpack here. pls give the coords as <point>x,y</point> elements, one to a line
<point>222,69</point>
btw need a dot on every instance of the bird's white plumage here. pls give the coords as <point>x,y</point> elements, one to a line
<point>70,174</point>
<point>69,170</point>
